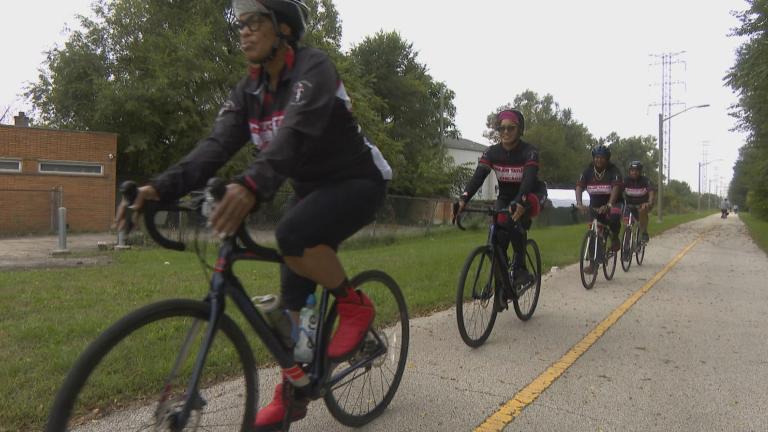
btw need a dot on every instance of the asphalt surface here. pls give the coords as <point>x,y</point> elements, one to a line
<point>690,355</point>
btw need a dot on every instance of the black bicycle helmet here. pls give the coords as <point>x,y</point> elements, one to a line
<point>601,150</point>
<point>292,12</point>
<point>636,165</point>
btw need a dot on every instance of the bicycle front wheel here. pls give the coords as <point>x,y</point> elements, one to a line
<point>588,264</point>
<point>609,260</point>
<point>135,375</point>
<point>366,391</point>
<point>525,303</point>
<point>627,249</point>
<point>475,298</point>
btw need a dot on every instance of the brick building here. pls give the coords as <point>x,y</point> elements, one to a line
<point>43,169</point>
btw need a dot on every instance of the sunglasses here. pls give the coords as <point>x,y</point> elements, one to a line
<point>510,128</point>
<point>253,22</point>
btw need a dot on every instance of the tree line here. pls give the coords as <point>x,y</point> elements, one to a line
<point>156,72</point>
<point>749,79</point>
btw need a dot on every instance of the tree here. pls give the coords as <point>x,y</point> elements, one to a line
<point>636,148</point>
<point>563,142</point>
<point>749,78</point>
<point>153,71</point>
<point>416,112</point>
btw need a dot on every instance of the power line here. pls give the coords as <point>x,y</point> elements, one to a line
<point>667,60</point>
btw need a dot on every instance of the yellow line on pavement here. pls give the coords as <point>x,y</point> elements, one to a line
<point>512,408</point>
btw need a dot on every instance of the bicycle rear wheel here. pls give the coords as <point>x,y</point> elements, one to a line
<point>475,298</point>
<point>609,260</point>
<point>152,351</point>
<point>587,261</point>
<point>627,249</point>
<point>525,303</point>
<point>365,393</point>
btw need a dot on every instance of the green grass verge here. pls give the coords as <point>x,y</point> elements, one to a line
<point>47,317</point>
<point>758,229</point>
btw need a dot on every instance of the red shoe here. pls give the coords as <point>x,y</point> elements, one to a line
<point>270,418</point>
<point>356,314</point>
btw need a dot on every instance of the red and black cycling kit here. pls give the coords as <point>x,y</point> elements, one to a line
<point>637,191</point>
<point>302,130</point>
<point>599,187</point>
<point>516,172</point>
<point>515,169</point>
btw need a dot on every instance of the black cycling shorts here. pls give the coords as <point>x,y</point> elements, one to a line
<point>326,216</point>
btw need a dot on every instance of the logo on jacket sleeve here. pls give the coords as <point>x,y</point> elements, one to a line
<point>300,90</point>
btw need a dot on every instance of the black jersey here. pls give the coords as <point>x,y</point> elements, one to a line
<point>303,130</point>
<point>599,186</point>
<point>516,171</point>
<point>637,191</point>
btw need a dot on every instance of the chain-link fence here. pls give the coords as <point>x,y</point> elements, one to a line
<point>29,211</point>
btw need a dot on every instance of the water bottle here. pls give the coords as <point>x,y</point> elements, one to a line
<point>305,344</point>
<point>278,318</point>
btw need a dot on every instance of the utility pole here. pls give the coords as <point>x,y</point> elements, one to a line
<point>666,60</point>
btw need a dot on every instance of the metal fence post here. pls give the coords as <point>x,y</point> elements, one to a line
<point>62,247</point>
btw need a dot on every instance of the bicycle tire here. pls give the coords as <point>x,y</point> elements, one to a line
<point>533,261</point>
<point>390,323</point>
<point>116,338</point>
<point>640,252</point>
<point>586,260</point>
<point>627,249</point>
<point>609,261</point>
<point>480,300</point>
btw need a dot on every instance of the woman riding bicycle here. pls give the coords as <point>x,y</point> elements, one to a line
<point>516,164</point>
<point>603,182</point>
<point>294,108</point>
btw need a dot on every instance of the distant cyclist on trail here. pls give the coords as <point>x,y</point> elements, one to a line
<point>725,207</point>
<point>293,107</point>
<point>639,191</point>
<point>516,164</point>
<point>603,182</point>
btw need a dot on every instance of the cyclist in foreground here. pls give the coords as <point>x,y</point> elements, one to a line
<point>603,182</point>
<point>293,106</point>
<point>516,164</point>
<point>638,191</point>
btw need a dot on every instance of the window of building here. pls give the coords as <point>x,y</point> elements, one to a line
<point>10,165</point>
<point>71,168</point>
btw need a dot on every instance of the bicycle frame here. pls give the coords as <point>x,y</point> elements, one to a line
<point>223,283</point>
<point>598,228</point>
<point>499,261</point>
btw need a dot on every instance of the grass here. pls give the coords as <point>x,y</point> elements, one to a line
<point>758,229</point>
<point>48,316</point>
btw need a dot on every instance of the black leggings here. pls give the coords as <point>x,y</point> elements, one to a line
<point>509,233</point>
<point>326,216</point>
<point>612,219</point>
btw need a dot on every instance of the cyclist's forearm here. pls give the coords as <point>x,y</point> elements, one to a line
<point>615,192</point>
<point>579,192</point>
<point>481,172</point>
<point>528,182</point>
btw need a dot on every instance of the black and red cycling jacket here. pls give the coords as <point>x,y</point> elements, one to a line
<point>599,187</point>
<point>637,191</point>
<point>303,130</point>
<point>516,171</point>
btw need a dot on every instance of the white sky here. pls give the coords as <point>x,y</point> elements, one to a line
<point>591,55</point>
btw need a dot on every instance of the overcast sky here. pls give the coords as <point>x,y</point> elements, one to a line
<point>593,56</point>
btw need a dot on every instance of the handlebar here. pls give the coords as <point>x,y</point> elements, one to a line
<point>490,211</point>
<point>214,191</point>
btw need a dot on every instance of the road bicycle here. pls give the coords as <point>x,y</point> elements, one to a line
<point>632,244</point>
<point>486,284</point>
<point>594,253</point>
<point>173,363</point>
